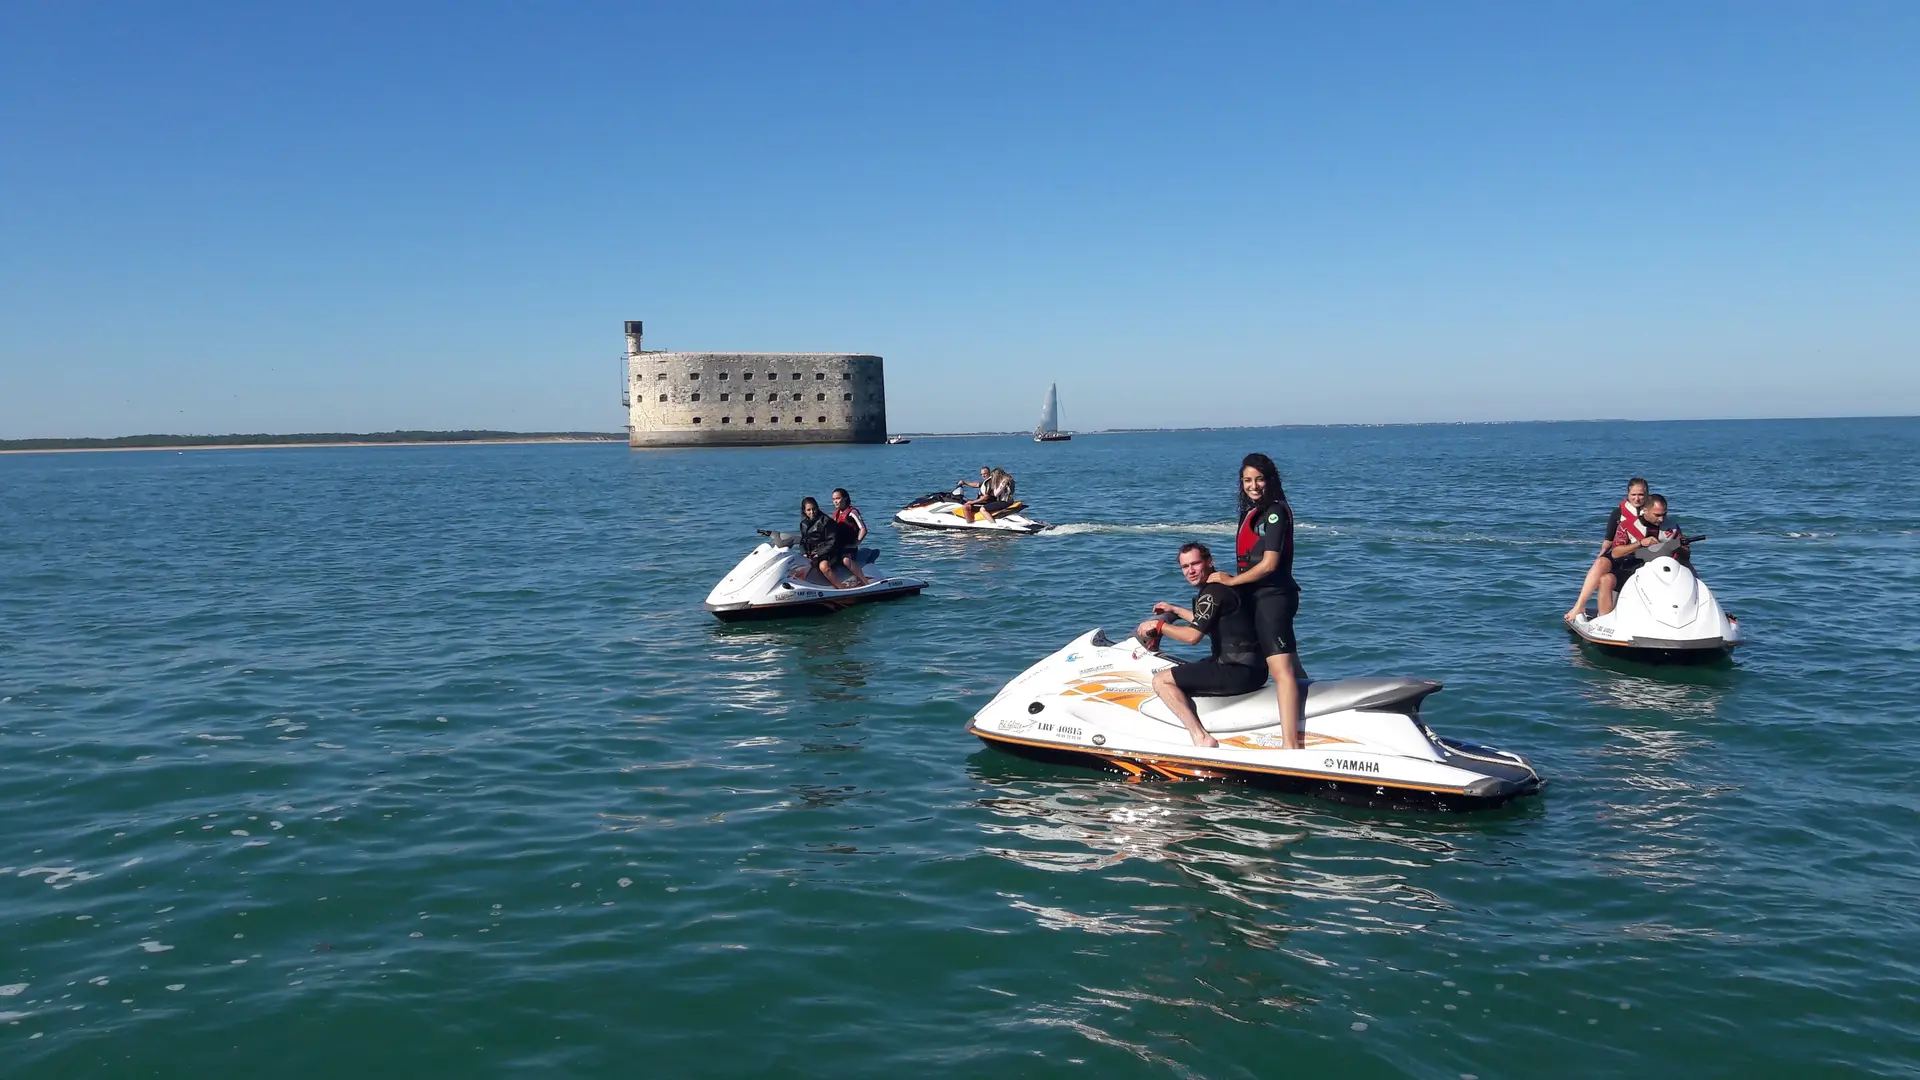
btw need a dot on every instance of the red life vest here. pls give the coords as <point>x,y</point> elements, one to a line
<point>1630,524</point>
<point>1244,542</point>
<point>843,520</point>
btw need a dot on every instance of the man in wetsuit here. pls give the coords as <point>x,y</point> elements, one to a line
<point>1652,528</point>
<point>1236,665</point>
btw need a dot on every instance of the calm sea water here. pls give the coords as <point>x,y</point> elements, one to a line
<point>392,761</point>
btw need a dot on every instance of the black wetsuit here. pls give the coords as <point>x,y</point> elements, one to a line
<point>1236,665</point>
<point>820,538</point>
<point>1275,599</point>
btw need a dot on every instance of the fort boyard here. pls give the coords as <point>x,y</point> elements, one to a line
<point>752,399</point>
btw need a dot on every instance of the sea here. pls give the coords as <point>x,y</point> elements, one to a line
<point>415,761</point>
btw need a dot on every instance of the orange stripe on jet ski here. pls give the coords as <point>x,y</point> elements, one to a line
<point>1218,768</point>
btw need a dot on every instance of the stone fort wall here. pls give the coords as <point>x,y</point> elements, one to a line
<point>752,399</point>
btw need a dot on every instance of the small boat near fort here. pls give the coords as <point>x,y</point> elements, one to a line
<point>898,440</point>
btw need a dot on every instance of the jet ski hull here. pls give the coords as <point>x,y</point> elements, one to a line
<point>1664,614</point>
<point>1484,794</point>
<point>943,511</point>
<point>794,609</point>
<point>764,585</point>
<point>1092,704</point>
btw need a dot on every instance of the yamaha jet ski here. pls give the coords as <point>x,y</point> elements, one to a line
<point>776,581</point>
<point>1663,613</point>
<point>942,510</point>
<point>1093,703</point>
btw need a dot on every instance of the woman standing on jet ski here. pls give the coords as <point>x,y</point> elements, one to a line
<point>1264,548</point>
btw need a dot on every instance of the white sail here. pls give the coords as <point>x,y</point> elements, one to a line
<point>1050,412</point>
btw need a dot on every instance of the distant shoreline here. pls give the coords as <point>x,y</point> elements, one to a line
<point>504,440</point>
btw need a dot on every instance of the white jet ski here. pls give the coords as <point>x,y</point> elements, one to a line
<point>1092,703</point>
<point>1663,613</point>
<point>765,586</point>
<point>941,510</point>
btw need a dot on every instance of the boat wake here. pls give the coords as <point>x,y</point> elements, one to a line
<point>1086,528</point>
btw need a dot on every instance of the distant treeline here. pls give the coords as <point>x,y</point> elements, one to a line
<point>136,442</point>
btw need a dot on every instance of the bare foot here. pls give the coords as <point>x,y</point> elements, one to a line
<point>1573,614</point>
<point>1207,741</point>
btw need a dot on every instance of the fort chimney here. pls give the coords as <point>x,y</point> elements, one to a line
<point>633,337</point>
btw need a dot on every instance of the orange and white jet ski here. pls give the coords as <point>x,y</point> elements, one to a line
<point>942,510</point>
<point>1092,703</point>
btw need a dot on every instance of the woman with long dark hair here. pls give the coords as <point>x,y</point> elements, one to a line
<point>1264,576</point>
<point>819,540</point>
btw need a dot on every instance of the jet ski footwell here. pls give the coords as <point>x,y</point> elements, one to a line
<point>1092,703</point>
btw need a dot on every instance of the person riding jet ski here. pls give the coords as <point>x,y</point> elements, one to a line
<point>820,540</point>
<point>1653,529</point>
<point>853,533</point>
<point>1628,513</point>
<point>1236,666</point>
<point>996,493</point>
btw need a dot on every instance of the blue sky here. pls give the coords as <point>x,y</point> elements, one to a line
<point>285,217</point>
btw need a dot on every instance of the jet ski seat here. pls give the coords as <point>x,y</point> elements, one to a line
<point>1010,508</point>
<point>1380,694</point>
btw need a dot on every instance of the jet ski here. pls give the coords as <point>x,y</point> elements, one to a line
<point>776,581</point>
<point>1092,703</point>
<point>1664,613</point>
<point>941,510</point>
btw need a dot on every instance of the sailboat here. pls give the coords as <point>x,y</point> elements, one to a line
<point>1048,429</point>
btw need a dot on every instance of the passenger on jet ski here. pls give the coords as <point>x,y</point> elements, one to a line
<point>1264,559</point>
<point>1653,529</point>
<point>819,541</point>
<point>1235,666</point>
<point>853,533</point>
<point>996,494</point>
<point>1628,510</point>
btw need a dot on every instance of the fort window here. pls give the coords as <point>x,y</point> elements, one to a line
<point>799,419</point>
<point>696,419</point>
<point>696,395</point>
<point>819,375</point>
<point>846,397</point>
<point>796,376</point>
<point>724,397</point>
<point>819,397</point>
<point>749,395</point>
<point>748,376</point>
<point>661,375</point>
<point>845,375</point>
<point>773,419</point>
<point>771,375</point>
<point>820,419</point>
<point>693,375</point>
<point>723,378</point>
<point>663,397</point>
<point>726,419</point>
<point>749,419</point>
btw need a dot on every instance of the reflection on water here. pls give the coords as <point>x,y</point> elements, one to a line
<point>1682,692</point>
<point>1660,792</point>
<point>1259,867</point>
